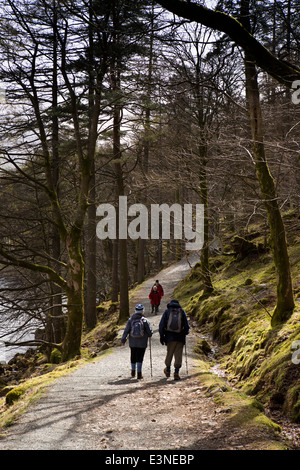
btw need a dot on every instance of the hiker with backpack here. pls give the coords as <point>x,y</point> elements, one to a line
<point>173,328</point>
<point>139,330</point>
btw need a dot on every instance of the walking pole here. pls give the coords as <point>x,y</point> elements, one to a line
<point>186,362</point>
<point>150,355</point>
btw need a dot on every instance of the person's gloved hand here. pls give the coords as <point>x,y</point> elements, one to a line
<point>162,341</point>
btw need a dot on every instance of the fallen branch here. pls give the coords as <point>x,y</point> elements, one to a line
<point>35,342</point>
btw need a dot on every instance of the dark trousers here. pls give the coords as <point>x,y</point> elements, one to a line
<point>174,349</point>
<point>137,355</point>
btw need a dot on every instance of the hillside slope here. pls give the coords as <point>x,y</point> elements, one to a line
<point>257,359</point>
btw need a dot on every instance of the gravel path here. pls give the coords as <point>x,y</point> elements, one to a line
<point>99,407</point>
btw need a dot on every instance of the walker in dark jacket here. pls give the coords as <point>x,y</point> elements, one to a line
<point>174,340</point>
<point>137,345</point>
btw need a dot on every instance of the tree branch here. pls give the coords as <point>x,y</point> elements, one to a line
<point>282,71</point>
<point>53,276</point>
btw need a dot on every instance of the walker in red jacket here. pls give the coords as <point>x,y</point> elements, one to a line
<point>154,297</point>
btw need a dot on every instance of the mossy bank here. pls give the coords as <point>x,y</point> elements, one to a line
<point>260,361</point>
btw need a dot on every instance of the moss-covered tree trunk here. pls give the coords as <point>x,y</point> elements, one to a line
<point>285,300</point>
<point>71,345</point>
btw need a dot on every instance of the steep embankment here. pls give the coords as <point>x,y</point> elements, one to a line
<point>259,360</point>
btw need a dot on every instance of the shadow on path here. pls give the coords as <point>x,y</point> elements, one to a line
<point>56,420</point>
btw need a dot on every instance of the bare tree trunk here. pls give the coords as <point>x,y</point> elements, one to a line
<point>204,254</point>
<point>117,118</point>
<point>91,256</point>
<point>115,271</point>
<point>56,323</point>
<point>141,260</point>
<point>122,245</point>
<point>142,243</point>
<point>91,291</point>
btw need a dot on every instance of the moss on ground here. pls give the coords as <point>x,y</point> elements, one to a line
<point>256,357</point>
<point>240,411</point>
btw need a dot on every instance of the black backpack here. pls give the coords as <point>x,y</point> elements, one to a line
<point>175,320</point>
<point>137,329</point>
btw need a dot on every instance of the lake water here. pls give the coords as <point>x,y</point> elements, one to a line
<point>7,325</point>
<point>10,322</point>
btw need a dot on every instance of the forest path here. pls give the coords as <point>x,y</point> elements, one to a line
<point>99,407</point>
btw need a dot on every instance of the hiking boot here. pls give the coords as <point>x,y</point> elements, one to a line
<point>176,376</point>
<point>132,373</point>
<point>167,372</point>
<point>139,375</point>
